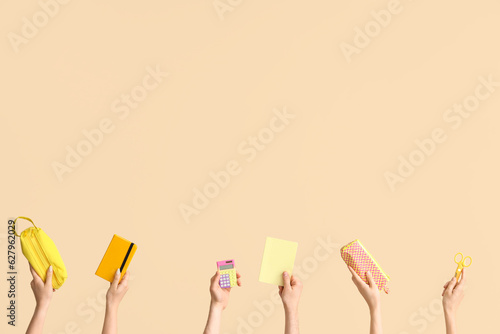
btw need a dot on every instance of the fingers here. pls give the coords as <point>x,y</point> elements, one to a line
<point>462,280</point>
<point>238,278</point>
<point>116,279</point>
<point>48,279</point>
<point>124,280</point>
<point>451,285</point>
<point>371,281</point>
<point>286,279</point>
<point>355,277</point>
<point>214,281</point>
<point>295,281</point>
<point>34,274</point>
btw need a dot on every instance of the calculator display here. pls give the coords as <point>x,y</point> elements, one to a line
<point>228,266</point>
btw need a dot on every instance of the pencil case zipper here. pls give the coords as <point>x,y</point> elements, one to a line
<point>374,261</point>
<point>39,250</point>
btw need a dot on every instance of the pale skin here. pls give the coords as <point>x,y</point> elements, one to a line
<point>218,303</point>
<point>453,294</point>
<point>43,295</point>
<point>290,295</point>
<point>371,294</point>
<point>114,296</point>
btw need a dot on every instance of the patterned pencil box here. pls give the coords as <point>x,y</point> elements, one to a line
<point>358,258</point>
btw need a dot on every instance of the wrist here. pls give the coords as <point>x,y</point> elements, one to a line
<point>111,307</point>
<point>291,309</point>
<point>449,313</point>
<point>216,307</point>
<point>42,306</point>
<point>375,309</point>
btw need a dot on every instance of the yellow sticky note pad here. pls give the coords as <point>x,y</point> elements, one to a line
<point>279,256</point>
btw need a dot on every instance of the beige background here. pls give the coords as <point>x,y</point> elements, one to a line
<point>322,176</point>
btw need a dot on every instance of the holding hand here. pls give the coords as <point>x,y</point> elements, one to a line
<point>290,292</point>
<point>117,290</point>
<point>453,294</point>
<point>371,294</point>
<point>43,295</point>
<point>370,291</point>
<point>290,295</point>
<point>42,290</point>
<point>220,296</point>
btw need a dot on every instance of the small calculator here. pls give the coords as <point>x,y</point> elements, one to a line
<point>227,274</point>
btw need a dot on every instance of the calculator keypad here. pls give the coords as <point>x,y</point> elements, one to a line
<point>227,278</point>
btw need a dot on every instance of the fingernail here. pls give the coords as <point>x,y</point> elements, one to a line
<point>285,274</point>
<point>50,268</point>
<point>117,271</point>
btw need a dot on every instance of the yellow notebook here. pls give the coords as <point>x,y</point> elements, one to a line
<point>118,255</point>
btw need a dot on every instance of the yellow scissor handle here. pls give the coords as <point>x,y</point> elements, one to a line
<point>463,260</point>
<point>462,263</point>
<point>14,225</point>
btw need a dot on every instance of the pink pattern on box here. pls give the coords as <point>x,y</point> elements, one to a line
<point>358,258</point>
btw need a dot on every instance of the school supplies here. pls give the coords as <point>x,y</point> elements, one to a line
<point>359,259</point>
<point>42,253</point>
<point>118,255</point>
<point>462,263</point>
<point>279,256</point>
<point>227,274</point>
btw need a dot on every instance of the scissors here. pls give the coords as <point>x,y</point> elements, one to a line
<point>462,263</point>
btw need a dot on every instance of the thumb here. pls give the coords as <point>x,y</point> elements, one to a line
<point>116,279</point>
<point>286,280</point>
<point>48,280</point>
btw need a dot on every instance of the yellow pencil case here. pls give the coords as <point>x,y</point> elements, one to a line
<point>358,258</point>
<point>42,253</point>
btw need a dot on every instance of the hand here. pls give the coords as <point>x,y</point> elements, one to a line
<point>42,290</point>
<point>220,296</point>
<point>290,292</point>
<point>117,290</point>
<point>453,294</point>
<point>370,291</point>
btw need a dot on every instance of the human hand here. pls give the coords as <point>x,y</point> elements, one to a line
<point>370,291</point>
<point>42,290</point>
<point>290,292</point>
<point>220,296</point>
<point>117,290</point>
<point>453,294</point>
